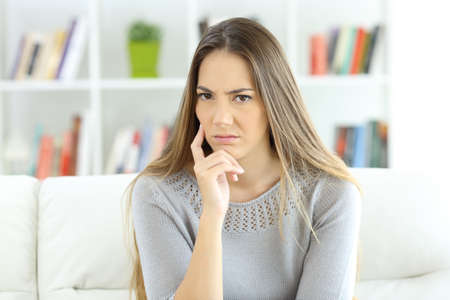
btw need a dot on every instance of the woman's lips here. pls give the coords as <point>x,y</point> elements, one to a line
<point>226,139</point>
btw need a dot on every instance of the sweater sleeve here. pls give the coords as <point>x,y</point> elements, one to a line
<point>163,250</point>
<point>329,270</point>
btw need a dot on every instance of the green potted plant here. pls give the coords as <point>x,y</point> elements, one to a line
<point>143,46</point>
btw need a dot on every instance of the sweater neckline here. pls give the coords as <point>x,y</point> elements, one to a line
<point>240,204</point>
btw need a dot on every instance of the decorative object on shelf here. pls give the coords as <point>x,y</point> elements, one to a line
<point>143,45</point>
<point>16,154</point>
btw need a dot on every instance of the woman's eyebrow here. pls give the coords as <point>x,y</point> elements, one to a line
<point>230,92</point>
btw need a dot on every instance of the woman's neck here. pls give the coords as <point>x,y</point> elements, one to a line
<point>259,173</point>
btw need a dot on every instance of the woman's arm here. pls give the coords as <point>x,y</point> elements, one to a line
<point>203,278</point>
<point>329,270</point>
<point>173,266</point>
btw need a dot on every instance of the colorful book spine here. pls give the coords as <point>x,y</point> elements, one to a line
<point>67,42</point>
<point>363,145</point>
<point>345,50</point>
<point>349,51</point>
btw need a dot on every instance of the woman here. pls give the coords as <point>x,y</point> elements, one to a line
<point>243,156</point>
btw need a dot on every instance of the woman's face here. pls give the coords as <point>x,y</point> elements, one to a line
<point>228,105</point>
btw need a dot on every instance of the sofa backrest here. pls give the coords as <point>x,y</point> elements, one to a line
<point>81,246</point>
<point>18,226</point>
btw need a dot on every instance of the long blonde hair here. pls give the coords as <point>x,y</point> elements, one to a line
<point>292,134</point>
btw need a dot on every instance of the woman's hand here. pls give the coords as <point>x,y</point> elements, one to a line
<point>210,172</point>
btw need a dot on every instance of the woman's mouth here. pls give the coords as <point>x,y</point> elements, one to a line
<point>226,139</point>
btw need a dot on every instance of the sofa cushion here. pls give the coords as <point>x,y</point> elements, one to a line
<point>81,253</point>
<point>405,221</point>
<point>18,223</point>
<point>434,285</point>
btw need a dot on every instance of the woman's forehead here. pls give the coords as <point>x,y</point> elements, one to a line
<point>224,70</point>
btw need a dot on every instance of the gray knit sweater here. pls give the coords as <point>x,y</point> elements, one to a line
<point>257,262</point>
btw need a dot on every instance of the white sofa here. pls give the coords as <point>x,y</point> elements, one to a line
<point>62,238</point>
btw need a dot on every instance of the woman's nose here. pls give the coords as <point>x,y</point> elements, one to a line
<point>222,115</point>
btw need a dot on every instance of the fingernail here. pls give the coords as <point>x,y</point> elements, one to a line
<point>241,170</point>
<point>235,177</point>
<point>200,126</point>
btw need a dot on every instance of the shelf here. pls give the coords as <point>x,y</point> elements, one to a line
<point>143,84</point>
<point>43,85</point>
<point>342,80</point>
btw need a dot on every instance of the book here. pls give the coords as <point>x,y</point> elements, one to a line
<point>341,49</point>
<point>159,141</point>
<point>131,159</point>
<point>359,147</point>
<point>83,162</point>
<point>122,140</point>
<point>67,42</point>
<point>25,56</point>
<point>40,71</point>
<point>66,153</point>
<point>349,144</point>
<point>38,132</point>
<point>318,57</point>
<point>383,135</point>
<point>57,148</point>
<point>332,37</point>
<point>56,53</point>
<point>340,141</point>
<point>19,54</point>
<point>76,123</point>
<point>45,157</point>
<point>359,43</point>
<point>349,50</point>
<point>370,49</point>
<point>34,56</point>
<point>75,49</point>
<point>374,145</point>
<point>376,61</point>
<point>145,145</point>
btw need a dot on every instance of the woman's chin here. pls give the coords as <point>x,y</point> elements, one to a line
<point>229,148</point>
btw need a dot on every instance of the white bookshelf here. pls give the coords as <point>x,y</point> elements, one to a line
<point>115,100</point>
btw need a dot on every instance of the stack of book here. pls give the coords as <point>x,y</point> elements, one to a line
<point>344,50</point>
<point>65,155</point>
<point>133,148</point>
<point>363,145</point>
<point>54,55</point>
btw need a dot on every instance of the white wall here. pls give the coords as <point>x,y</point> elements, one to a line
<point>420,62</point>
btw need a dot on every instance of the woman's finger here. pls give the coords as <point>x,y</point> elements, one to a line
<point>212,161</point>
<point>196,146</point>
<point>230,157</point>
<point>221,168</point>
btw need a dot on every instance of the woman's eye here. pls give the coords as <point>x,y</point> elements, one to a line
<point>243,98</point>
<point>204,94</point>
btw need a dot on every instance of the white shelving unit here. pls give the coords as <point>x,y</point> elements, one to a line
<point>115,100</point>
